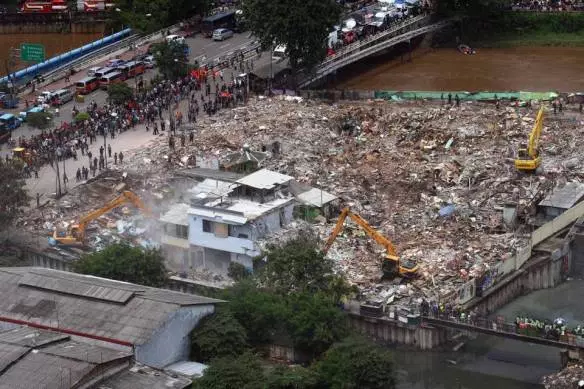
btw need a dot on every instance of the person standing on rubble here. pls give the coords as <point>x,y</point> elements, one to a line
<point>109,151</point>
<point>121,157</point>
<point>115,158</point>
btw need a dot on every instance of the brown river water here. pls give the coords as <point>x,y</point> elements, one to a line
<point>535,69</point>
<point>55,43</point>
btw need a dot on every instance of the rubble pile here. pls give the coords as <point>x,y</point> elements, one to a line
<point>432,178</point>
<point>567,378</point>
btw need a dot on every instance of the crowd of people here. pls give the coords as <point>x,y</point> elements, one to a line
<point>157,108</point>
<point>547,5</point>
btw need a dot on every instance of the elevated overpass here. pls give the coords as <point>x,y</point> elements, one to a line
<point>357,51</point>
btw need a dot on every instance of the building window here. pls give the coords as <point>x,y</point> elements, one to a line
<point>182,232</point>
<point>207,226</point>
<point>221,230</point>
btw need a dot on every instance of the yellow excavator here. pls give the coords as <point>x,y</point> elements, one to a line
<point>75,235</point>
<point>392,264</point>
<point>528,159</point>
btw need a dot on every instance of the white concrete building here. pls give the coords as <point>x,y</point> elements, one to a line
<point>224,220</point>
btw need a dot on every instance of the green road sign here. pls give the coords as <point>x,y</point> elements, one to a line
<point>32,52</point>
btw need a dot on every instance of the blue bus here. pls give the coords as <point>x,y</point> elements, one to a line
<point>10,121</point>
<point>220,20</point>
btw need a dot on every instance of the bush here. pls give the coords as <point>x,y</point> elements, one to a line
<point>40,120</point>
<point>82,116</point>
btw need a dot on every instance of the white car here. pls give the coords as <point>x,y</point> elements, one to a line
<point>221,34</point>
<point>175,38</point>
<point>149,62</point>
<point>44,97</point>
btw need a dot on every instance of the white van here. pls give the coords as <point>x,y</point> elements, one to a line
<point>91,72</point>
<point>175,38</point>
<point>279,52</point>
<point>62,96</point>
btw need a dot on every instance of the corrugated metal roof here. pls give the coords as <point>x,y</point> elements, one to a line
<point>265,179</point>
<point>30,337</point>
<point>133,321</point>
<point>9,353</point>
<point>42,371</point>
<point>142,378</point>
<point>316,197</point>
<point>75,287</point>
<point>85,352</point>
<point>564,197</point>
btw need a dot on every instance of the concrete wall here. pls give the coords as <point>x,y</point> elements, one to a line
<point>388,332</point>
<point>544,272</point>
<point>208,239</point>
<point>171,342</point>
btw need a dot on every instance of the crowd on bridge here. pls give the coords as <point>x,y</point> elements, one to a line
<point>157,108</point>
<point>557,329</point>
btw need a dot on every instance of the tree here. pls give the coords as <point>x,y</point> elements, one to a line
<point>120,93</point>
<point>301,25</point>
<point>171,59</point>
<point>315,323</point>
<point>237,271</point>
<point>262,313</point>
<point>299,266</point>
<point>13,195</point>
<point>243,372</point>
<point>39,120</point>
<point>356,363</point>
<point>297,377</point>
<point>124,263</point>
<point>218,335</point>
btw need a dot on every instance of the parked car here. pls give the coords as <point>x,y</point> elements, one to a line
<point>175,39</point>
<point>91,72</point>
<point>114,63</point>
<point>149,62</point>
<point>38,108</point>
<point>44,97</point>
<point>221,34</point>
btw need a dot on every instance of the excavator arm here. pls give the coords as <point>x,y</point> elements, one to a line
<point>126,196</point>
<point>408,269</point>
<point>532,147</point>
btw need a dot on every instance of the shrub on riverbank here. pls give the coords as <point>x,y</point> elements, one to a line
<point>525,28</point>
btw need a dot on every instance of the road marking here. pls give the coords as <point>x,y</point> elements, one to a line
<point>224,46</point>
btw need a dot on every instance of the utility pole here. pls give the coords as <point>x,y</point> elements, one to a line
<point>64,175</point>
<point>58,188</point>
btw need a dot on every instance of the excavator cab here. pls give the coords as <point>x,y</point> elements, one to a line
<point>528,158</point>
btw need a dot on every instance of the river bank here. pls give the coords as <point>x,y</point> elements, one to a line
<point>516,29</point>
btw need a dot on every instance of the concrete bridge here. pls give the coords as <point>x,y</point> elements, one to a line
<point>354,52</point>
<point>500,329</point>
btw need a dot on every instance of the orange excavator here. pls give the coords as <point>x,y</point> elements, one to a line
<point>75,235</point>
<point>392,264</point>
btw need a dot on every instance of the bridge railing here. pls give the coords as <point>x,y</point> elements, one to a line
<point>367,48</point>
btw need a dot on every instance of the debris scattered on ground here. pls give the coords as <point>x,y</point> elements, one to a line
<point>432,178</point>
<point>567,378</point>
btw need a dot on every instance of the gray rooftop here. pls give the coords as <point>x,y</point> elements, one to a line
<point>54,361</point>
<point>316,197</point>
<point>211,173</point>
<point>565,196</point>
<point>142,377</point>
<point>89,305</point>
<point>265,179</point>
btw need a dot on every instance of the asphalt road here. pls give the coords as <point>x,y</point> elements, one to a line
<point>45,184</point>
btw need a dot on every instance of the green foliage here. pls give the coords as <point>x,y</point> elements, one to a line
<point>243,372</point>
<point>260,312</point>
<point>300,266</point>
<point>356,363</point>
<point>82,116</point>
<point>171,59</point>
<point>237,271</point>
<point>301,25</point>
<point>125,263</point>
<point>39,120</point>
<point>120,93</point>
<point>13,195</point>
<point>296,377</point>
<point>218,335</point>
<point>315,323</point>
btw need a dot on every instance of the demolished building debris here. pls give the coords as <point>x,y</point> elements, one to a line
<point>434,178</point>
